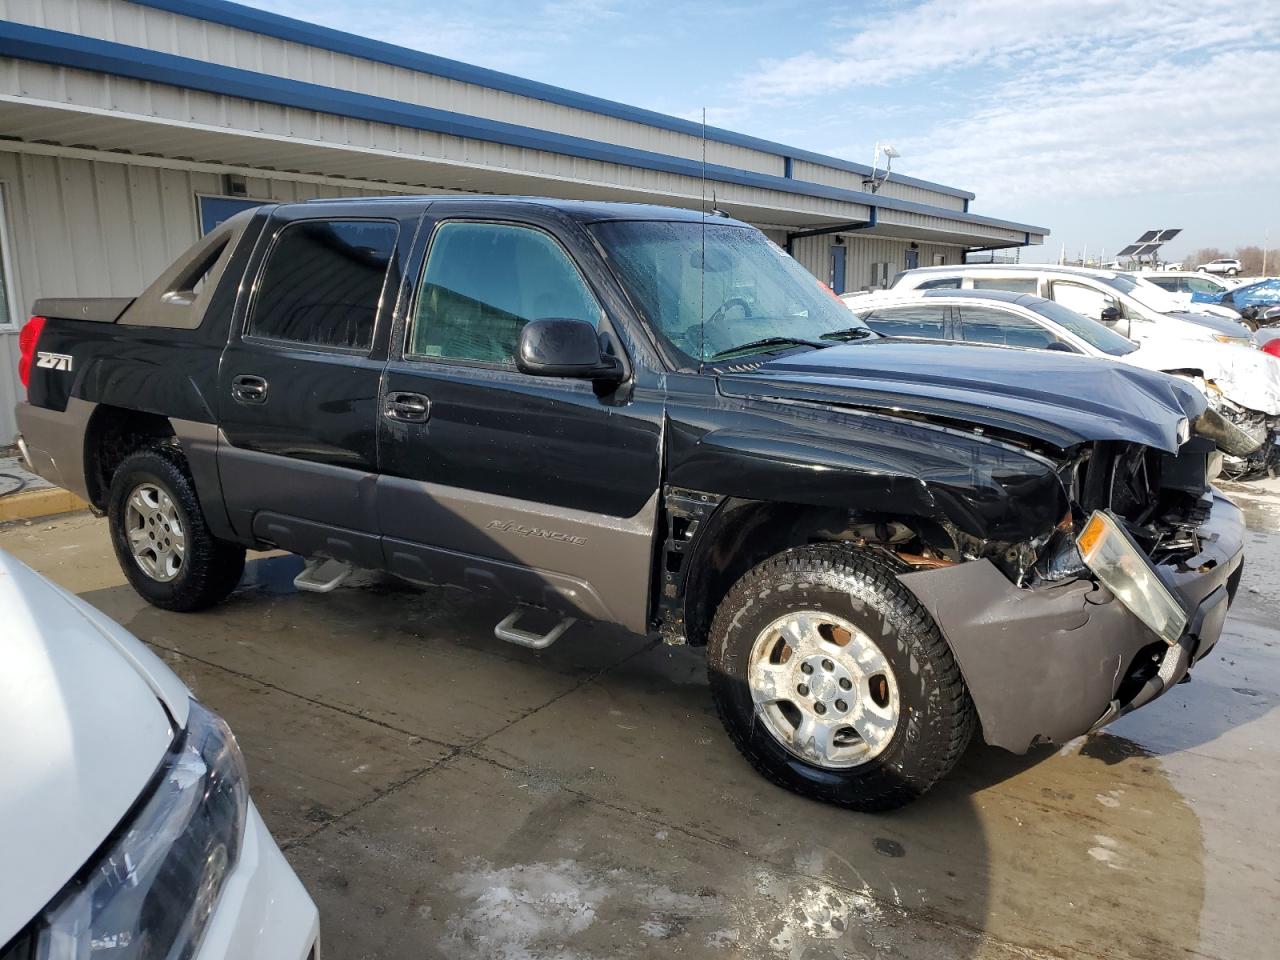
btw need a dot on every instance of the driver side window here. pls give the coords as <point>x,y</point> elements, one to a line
<point>483,282</point>
<point>1085,301</point>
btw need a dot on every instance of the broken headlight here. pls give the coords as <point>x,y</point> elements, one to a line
<point>1124,570</point>
<point>153,890</point>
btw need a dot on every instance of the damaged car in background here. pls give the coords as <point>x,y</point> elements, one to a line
<point>654,418</point>
<point>1241,385</point>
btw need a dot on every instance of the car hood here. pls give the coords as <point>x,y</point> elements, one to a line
<point>1230,328</point>
<point>1059,398</point>
<point>86,716</point>
<point>1247,377</point>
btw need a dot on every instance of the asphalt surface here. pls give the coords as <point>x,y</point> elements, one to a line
<point>443,794</point>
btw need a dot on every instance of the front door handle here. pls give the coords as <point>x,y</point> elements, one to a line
<point>407,407</point>
<point>249,389</point>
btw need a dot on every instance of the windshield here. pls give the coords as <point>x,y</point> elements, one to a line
<point>1146,293</point>
<point>1092,332</point>
<point>717,295</point>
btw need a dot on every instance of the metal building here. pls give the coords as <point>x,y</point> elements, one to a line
<point>129,127</point>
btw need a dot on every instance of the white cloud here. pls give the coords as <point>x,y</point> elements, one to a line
<point>1065,98</point>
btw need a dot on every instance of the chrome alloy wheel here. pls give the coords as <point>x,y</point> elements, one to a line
<point>823,689</point>
<point>156,536</point>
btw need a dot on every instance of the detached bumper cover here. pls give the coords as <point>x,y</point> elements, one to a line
<point>264,913</point>
<point>1048,663</point>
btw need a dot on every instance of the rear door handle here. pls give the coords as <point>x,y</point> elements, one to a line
<point>249,389</point>
<point>407,407</point>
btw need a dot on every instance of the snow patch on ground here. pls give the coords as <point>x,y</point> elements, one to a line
<point>536,911</point>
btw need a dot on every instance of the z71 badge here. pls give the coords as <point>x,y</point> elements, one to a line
<point>53,361</point>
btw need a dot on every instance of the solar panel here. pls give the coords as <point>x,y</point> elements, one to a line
<point>1149,236</point>
<point>1129,250</point>
<point>1167,235</point>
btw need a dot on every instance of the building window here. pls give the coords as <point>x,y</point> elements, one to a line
<point>881,274</point>
<point>939,259</point>
<point>214,210</point>
<point>9,319</point>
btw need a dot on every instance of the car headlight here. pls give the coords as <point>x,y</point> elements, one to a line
<point>1123,569</point>
<point>152,891</point>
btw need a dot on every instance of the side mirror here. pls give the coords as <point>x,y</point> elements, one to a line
<point>1060,347</point>
<point>1110,315</point>
<point>562,347</point>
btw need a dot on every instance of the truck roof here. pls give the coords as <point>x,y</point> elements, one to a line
<point>586,211</point>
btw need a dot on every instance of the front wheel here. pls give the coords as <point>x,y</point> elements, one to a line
<point>160,537</point>
<point>833,681</point>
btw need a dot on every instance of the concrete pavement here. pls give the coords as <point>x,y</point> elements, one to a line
<point>443,794</point>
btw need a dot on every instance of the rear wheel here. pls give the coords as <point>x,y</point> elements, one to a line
<point>160,537</point>
<point>834,681</point>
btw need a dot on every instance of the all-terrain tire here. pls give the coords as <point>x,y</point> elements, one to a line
<point>936,715</point>
<point>210,568</point>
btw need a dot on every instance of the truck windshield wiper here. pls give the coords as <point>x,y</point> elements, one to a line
<point>852,333</point>
<point>761,344</point>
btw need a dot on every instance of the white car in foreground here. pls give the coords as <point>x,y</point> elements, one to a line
<point>1242,386</point>
<point>125,820</point>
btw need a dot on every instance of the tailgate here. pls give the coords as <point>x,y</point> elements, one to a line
<point>93,309</point>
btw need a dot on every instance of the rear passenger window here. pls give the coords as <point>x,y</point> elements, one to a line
<point>483,282</point>
<point>1011,284</point>
<point>925,320</point>
<point>985,325</point>
<point>947,283</point>
<point>324,282</point>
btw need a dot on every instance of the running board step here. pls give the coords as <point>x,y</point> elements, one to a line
<point>508,631</point>
<point>322,576</point>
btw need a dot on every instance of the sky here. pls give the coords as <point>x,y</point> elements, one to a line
<point>1099,119</point>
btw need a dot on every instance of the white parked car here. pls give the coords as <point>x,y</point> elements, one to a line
<point>1225,266</point>
<point>1188,282</point>
<point>125,819</point>
<point>1186,299</point>
<point>1132,307</point>
<point>1241,386</point>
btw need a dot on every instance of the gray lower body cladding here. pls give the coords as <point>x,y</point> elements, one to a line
<point>1052,662</point>
<point>54,440</point>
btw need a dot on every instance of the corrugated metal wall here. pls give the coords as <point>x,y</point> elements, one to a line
<point>80,228</point>
<point>123,22</point>
<point>803,170</point>
<point>814,253</point>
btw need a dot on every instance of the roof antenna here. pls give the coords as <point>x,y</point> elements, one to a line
<point>702,260</point>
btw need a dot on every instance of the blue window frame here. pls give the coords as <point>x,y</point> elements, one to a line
<point>213,210</point>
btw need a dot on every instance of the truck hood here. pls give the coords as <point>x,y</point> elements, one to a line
<point>1058,398</point>
<point>86,715</point>
<point>1247,377</point>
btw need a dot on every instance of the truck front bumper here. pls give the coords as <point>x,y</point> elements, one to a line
<point>1054,662</point>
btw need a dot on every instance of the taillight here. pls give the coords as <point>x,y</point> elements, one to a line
<point>27,341</point>
<point>1272,347</point>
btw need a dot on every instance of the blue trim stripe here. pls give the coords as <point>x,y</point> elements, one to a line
<point>86,53</point>
<point>325,38</point>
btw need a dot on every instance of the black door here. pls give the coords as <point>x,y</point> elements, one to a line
<point>540,489</point>
<point>299,383</point>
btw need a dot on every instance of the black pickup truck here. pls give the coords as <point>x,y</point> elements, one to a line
<point>658,419</point>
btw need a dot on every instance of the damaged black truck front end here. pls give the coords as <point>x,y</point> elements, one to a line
<point>1123,597</point>
<point>1055,520</point>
